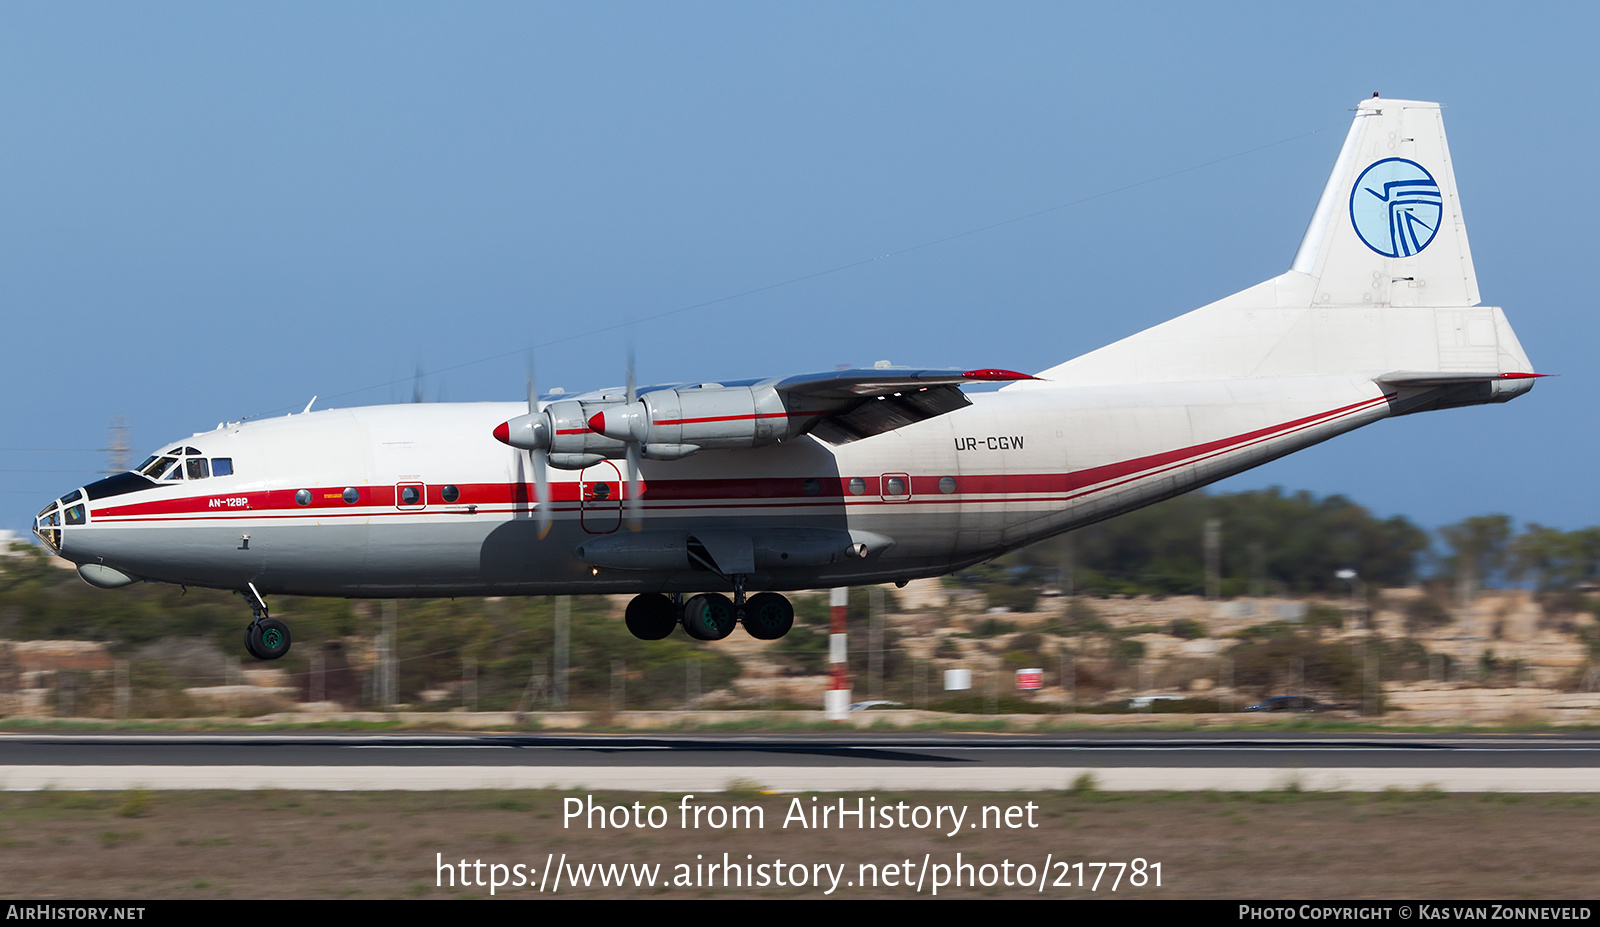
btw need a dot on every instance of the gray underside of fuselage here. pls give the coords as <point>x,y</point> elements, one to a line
<point>481,557</point>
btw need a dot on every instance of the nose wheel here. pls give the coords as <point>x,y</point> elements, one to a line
<point>266,638</point>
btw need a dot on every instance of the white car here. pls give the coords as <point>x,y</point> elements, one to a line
<point>1144,702</point>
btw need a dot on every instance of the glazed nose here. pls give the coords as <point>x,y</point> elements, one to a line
<point>47,526</point>
<point>70,509</point>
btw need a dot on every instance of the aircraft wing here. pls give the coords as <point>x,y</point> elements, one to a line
<point>848,405</point>
<point>672,422</point>
<point>883,381</point>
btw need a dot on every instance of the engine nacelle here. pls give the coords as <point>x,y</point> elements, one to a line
<point>673,423</point>
<point>573,445</point>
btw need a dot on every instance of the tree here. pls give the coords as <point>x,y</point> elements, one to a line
<point>1295,542</point>
<point>1478,550</point>
<point>1555,561</point>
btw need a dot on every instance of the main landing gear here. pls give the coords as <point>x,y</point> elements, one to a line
<point>710,616</point>
<point>266,638</point>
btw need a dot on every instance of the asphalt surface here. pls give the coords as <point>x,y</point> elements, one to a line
<point>886,750</point>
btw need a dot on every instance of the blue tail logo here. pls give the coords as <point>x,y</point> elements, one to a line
<point>1396,207</point>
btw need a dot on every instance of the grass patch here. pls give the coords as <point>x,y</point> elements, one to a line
<point>136,803</point>
<point>113,838</point>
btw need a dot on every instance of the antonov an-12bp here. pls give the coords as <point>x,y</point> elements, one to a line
<point>856,476</point>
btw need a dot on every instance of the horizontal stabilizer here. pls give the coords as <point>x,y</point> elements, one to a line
<point>1415,379</point>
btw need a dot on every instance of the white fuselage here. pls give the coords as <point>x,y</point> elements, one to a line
<point>1015,467</point>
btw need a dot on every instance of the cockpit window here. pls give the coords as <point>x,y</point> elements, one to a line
<point>156,466</point>
<point>185,463</point>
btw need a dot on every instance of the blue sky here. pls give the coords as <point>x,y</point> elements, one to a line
<point>209,211</point>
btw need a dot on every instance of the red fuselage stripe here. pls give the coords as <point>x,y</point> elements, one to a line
<point>661,494</point>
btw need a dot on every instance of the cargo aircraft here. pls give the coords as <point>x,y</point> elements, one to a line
<point>757,487</point>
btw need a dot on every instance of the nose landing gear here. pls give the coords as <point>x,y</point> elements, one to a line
<point>266,638</point>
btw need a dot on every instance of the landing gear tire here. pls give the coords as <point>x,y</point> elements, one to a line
<point>768,616</point>
<point>267,639</point>
<point>709,616</point>
<point>652,616</point>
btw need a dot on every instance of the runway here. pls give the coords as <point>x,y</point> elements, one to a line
<point>1235,761</point>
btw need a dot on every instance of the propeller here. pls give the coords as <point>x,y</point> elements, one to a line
<point>532,432</point>
<point>630,424</point>
<point>635,523</point>
<point>541,476</point>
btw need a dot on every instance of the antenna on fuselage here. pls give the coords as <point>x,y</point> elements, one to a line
<point>308,406</point>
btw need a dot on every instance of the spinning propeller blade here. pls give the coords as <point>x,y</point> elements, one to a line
<point>634,520</point>
<point>541,477</point>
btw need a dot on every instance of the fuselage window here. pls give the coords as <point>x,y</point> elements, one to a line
<point>811,487</point>
<point>222,466</point>
<point>947,484</point>
<point>897,487</point>
<point>302,497</point>
<point>410,495</point>
<point>857,485</point>
<point>450,494</point>
<point>198,468</point>
<point>352,495</point>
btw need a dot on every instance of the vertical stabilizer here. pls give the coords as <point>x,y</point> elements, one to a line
<point>1388,229</point>
<point>1382,281</point>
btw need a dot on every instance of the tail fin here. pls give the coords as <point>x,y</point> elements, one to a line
<point>1388,228</point>
<point>1382,282</point>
